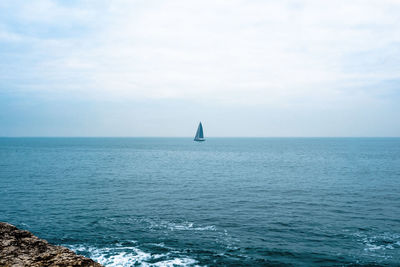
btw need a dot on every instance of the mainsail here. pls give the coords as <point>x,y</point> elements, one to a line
<point>199,134</point>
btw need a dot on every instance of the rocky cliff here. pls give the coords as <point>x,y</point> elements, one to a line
<point>22,248</point>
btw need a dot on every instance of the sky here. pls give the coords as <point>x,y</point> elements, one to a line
<point>251,68</point>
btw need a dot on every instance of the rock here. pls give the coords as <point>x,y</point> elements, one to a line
<point>22,248</point>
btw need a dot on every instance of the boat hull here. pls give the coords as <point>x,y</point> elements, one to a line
<point>199,140</point>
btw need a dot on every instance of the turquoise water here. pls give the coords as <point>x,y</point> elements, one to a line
<point>226,201</point>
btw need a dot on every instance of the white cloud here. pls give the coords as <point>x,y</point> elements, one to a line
<point>246,52</point>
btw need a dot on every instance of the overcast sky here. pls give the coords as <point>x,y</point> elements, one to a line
<point>156,68</point>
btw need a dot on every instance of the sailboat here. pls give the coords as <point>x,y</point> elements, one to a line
<point>199,134</point>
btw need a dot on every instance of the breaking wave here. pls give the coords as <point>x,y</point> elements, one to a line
<point>127,256</point>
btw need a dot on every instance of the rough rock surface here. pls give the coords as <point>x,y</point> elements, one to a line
<point>21,248</point>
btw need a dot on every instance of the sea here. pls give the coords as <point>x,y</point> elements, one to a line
<point>222,202</point>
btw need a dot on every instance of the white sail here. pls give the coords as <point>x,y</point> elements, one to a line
<point>199,134</point>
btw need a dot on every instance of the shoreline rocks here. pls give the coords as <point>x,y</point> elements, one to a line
<point>22,248</point>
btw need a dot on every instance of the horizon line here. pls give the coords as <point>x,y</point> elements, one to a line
<point>206,138</point>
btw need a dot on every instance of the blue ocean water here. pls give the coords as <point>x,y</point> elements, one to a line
<point>226,201</point>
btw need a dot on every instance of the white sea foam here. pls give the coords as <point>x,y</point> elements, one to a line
<point>123,256</point>
<point>372,247</point>
<point>381,242</point>
<point>187,226</point>
<point>126,256</point>
<point>182,226</point>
